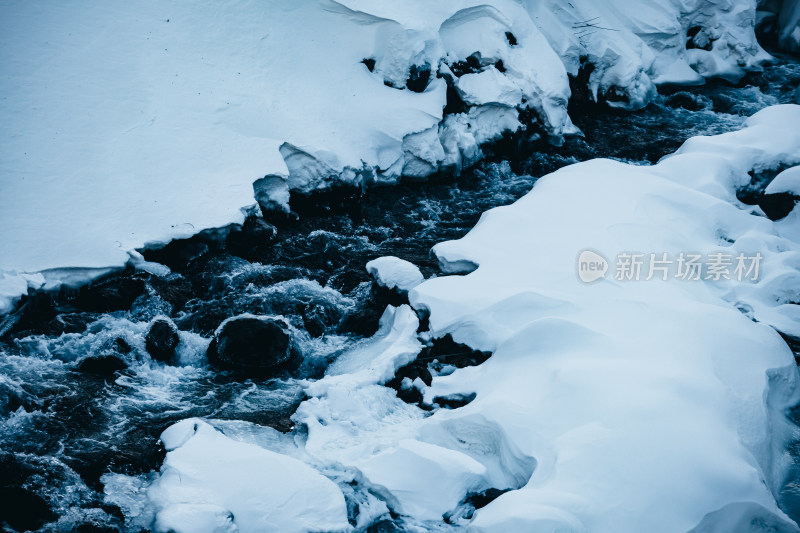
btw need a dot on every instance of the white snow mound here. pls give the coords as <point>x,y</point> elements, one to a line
<point>395,273</point>
<point>210,482</point>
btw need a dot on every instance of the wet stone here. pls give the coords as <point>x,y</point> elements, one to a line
<point>101,365</point>
<point>161,340</point>
<point>258,345</point>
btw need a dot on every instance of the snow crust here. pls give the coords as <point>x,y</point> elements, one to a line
<point>140,122</point>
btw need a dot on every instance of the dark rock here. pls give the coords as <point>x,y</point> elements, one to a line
<point>369,63</point>
<point>23,510</point>
<point>470,65</point>
<point>175,289</point>
<point>161,340</point>
<point>454,401</point>
<point>315,320</point>
<point>778,205</point>
<point>687,100</point>
<point>32,315</point>
<point>259,229</point>
<point>251,343</point>
<point>446,351</point>
<point>181,253</point>
<point>69,323</point>
<point>363,321</point>
<point>482,499</point>
<point>384,296</point>
<point>255,235</point>
<point>102,365</point>
<point>418,77</point>
<point>112,293</point>
<point>512,40</point>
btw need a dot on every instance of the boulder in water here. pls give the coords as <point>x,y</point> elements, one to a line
<point>252,343</point>
<point>162,339</point>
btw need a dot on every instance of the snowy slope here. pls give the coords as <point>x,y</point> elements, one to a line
<point>133,123</point>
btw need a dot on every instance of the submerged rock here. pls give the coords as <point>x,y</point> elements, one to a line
<point>101,365</point>
<point>162,339</point>
<point>252,343</point>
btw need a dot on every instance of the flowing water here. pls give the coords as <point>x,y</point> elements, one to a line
<point>61,428</point>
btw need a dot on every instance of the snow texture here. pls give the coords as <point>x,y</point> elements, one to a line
<point>135,123</point>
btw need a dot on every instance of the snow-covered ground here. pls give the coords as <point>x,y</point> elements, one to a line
<point>618,405</point>
<point>133,123</point>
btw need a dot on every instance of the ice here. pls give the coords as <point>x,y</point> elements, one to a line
<point>210,482</point>
<point>130,125</point>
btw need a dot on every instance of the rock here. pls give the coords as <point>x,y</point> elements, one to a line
<point>362,321</point>
<point>102,365</point>
<point>252,343</point>
<point>69,323</point>
<point>161,340</point>
<point>782,194</point>
<point>316,319</point>
<point>23,510</point>
<point>111,293</point>
<point>777,206</point>
<point>255,236</point>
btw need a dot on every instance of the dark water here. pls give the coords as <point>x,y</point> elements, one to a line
<point>61,428</point>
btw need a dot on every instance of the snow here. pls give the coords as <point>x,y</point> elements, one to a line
<point>786,181</point>
<point>648,405</point>
<point>424,480</point>
<point>395,273</point>
<point>376,359</point>
<point>138,123</point>
<point>210,482</point>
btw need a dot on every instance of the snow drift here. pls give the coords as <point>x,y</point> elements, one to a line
<point>138,123</point>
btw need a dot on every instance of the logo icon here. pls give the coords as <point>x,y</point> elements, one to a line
<point>591,266</point>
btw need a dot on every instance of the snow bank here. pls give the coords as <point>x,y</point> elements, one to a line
<point>138,123</point>
<point>648,405</point>
<point>395,273</point>
<point>210,482</point>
